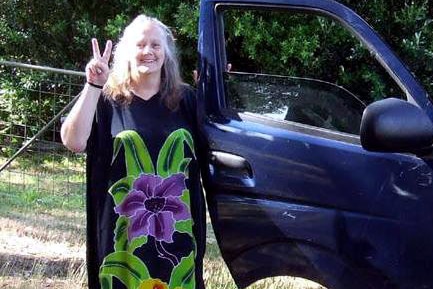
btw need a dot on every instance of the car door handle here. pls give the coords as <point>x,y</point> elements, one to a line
<point>232,170</point>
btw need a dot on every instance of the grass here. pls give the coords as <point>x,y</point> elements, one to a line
<point>42,230</point>
<point>43,184</point>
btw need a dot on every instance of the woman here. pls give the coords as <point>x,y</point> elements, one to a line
<point>146,221</point>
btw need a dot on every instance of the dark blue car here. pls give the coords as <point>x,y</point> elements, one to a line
<point>303,176</point>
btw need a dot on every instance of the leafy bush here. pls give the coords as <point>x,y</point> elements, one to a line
<point>58,34</point>
<point>407,27</point>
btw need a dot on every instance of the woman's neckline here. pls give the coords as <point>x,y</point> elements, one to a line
<point>153,96</point>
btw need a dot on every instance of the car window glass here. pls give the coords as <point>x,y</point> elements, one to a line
<point>306,68</point>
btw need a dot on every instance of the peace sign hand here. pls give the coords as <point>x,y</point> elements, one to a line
<point>97,69</point>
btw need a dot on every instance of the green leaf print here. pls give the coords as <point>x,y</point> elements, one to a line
<point>121,234</point>
<point>137,243</point>
<point>171,157</point>
<point>121,242</point>
<point>186,198</point>
<point>183,275</point>
<point>106,281</point>
<point>129,269</point>
<point>123,264</point>
<point>183,166</point>
<point>189,141</point>
<point>184,227</point>
<point>137,156</point>
<point>120,189</point>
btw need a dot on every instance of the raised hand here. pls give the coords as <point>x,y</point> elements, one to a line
<point>97,69</point>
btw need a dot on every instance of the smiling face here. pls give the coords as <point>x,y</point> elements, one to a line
<point>149,55</point>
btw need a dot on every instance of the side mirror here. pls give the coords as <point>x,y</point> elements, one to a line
<point>394,125</point>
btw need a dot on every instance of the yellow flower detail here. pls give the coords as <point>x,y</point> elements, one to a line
<point>153,284</point>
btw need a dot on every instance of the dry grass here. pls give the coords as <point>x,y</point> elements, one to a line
<point>42,235</point>
<point>42,251</point>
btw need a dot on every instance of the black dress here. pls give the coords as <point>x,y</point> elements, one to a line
<point>145,207</point>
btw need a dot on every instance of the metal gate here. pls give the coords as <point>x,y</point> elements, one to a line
<point>42,207</point>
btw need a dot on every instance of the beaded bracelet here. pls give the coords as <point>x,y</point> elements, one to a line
<point>95,85</point>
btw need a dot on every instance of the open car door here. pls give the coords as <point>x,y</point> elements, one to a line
<point>290,189</point>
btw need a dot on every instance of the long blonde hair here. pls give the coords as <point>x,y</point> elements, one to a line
<point>118,86</point>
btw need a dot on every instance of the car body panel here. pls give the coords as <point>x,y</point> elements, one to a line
<point>291,199</point>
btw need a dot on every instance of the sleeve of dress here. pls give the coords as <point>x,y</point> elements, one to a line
<point>100,120</point>
<point>195,118</point>
<point>198,206</point>
<point>191,109</point>
<point>96,185</point>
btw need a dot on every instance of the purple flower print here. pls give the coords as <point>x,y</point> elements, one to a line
<point>153,205</point>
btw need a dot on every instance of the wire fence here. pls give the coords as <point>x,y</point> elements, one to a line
<point>42,191</point>
<point>30,96</point>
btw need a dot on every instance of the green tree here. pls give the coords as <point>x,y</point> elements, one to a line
<point>58,34</point>
<point>292,45</point>
<point>407,27</point>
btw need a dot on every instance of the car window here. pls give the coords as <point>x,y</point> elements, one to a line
<point>307,101</point>
<point>298,67</point>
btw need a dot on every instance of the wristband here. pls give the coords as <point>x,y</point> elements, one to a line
<point>95,85</point>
